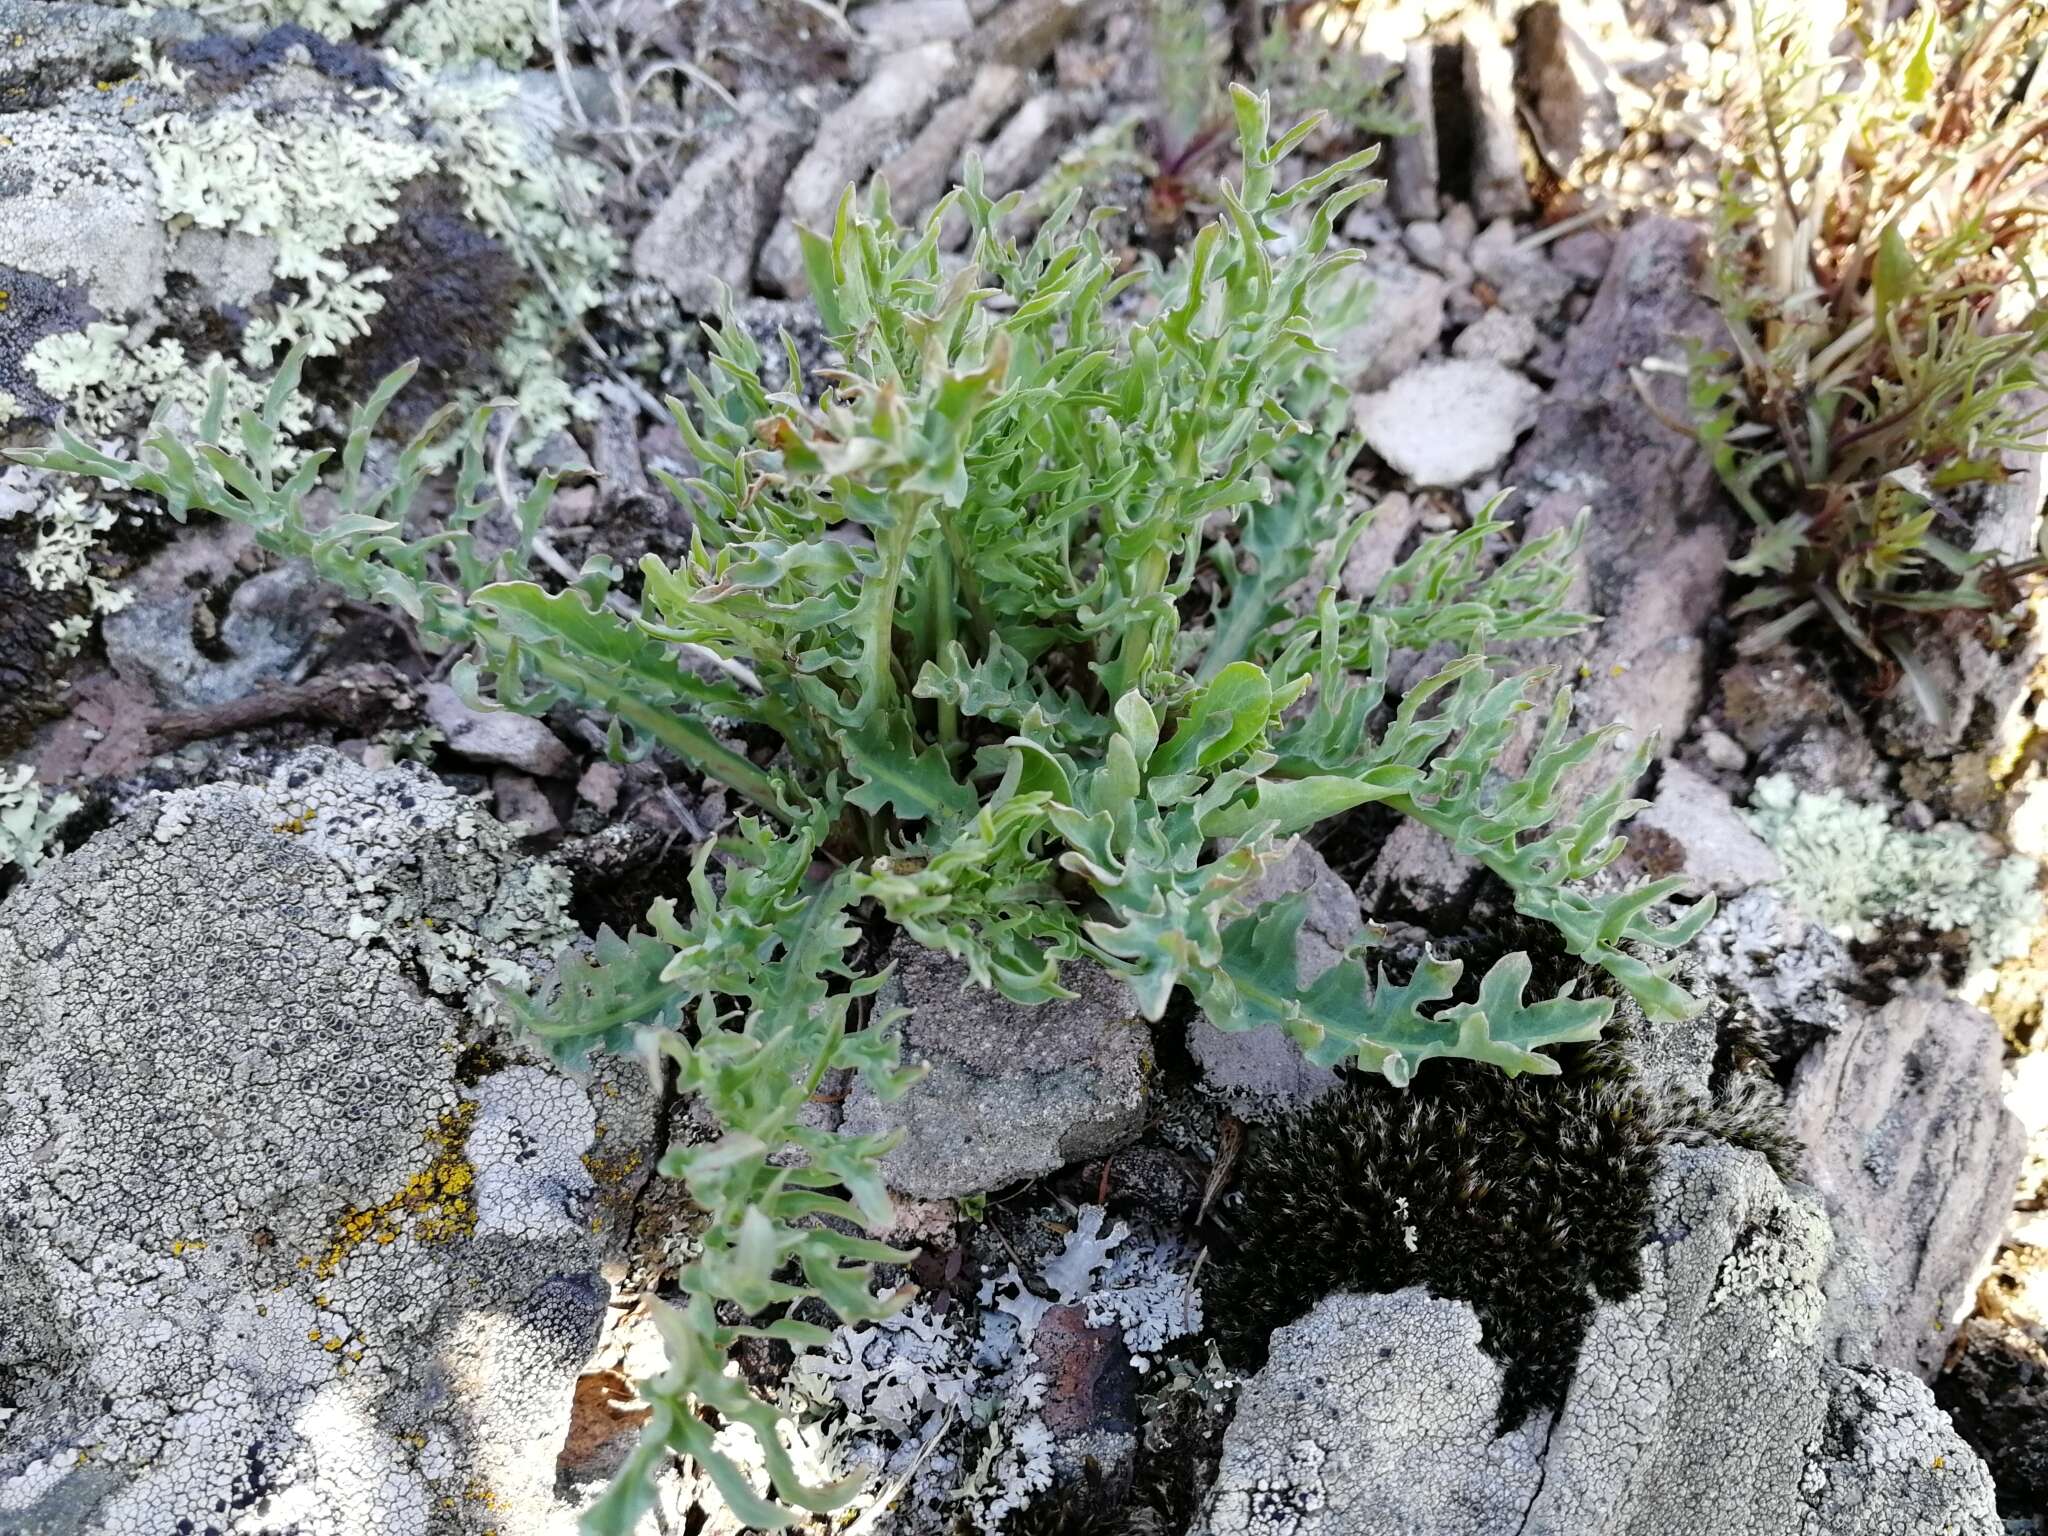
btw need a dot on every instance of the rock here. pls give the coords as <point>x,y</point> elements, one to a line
<point>1583,255</point>
<point>1788,715</point>
<point>1023,33</point>
<point>87,217</point>
<point>705,235</point>
<point>265,634</point>
<point>52,45</point>
<point>852,140</point>
<point>1487,76</point>
<point>1709,1401</point>
<point>278,1243</point>
<point>1412,169</point>
<point>1521,276</point>
<point>1263,1067</point>
<point>1793,972</point>
<point>600,785</point>
<point>927,168</point>
<point>1377,550</point>
<point>1563,78</point>
<point>1373,1414</point>
<point>1910,1144</point>
<point>894,25</point>
<point>1983,688</point>
<point>1425,241</point>
<point>1653,561</point>
<point>1692,828</point>
<point>1723,751</point>
<point>1418,871</point>
<point>1404,313</point>
<point>1498,336</point>
<point>497,735</point>
<point>522,805</point>
<point>1026,147</point>
<point>1448,422</point>
<point>1012,1092</point>
<point>1091,1387</point>
<point>1997,1389</point>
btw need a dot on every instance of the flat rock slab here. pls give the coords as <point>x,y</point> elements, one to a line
<point>1012,1092</point>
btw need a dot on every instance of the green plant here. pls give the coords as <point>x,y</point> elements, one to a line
<point>1313,59</point>
<point>1871,245</point>
<point>956,619</point>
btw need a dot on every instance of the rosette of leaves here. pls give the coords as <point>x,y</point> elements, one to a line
<point>1877,263</point>
<point>957,619</point>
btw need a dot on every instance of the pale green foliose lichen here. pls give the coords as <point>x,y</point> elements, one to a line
<point>1847,865</point>
<point>455,31</point>
<point>311,185</point>
<point>26,822</point>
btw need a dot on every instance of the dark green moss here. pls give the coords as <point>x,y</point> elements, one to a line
<point>1526,1197</point>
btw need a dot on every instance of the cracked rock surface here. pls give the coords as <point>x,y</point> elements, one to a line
<point>293,1243</point>
<point>1012,1092</point>
<point>1712,1400</point>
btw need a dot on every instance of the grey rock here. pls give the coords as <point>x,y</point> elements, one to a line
<point>78,206</point>
<point>1566,83</point>
<point>1521,276</point>
<point>1653,561</point>
<point>1026,146</point>
<point>1025,32</point>
<point>1447,422</point>
<point>706,233</point>
<point>47,47</point>
<point>1373,1414</point>
<point>1417,870</point>
<point>1723,751</point>
<point>927,168</point>
<point>498,735</point>
<point>1498,336</point>
<point>1911,1146</point>
<point>1263,1069</point>
<point>894,25</point>
<point>1982,690</point>
<point>1693,829</point>
<point>1709,1401</point>
<point>1488,80</point>
<point>1412,167</point>
<point>1377,550</point>
<point>1792,971</point>
<point>1583,255</point>
<point>521,804</point>
<point>264,1239</point>
<point>1426,242</point>
<point>1012,1092</point>
<point>265,635</point>
<point>852,140</point>
<point>1404,313</point>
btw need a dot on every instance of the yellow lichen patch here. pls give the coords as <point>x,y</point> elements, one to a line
<point>479,1492</point>
<point>436,1205</point>
<point>180,1246</point>
<point>299,823</point>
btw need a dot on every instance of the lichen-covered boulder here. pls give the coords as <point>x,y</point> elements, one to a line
<point>1712,1400</point>
<point>292,1241</point>
<point>1011,1092</point>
